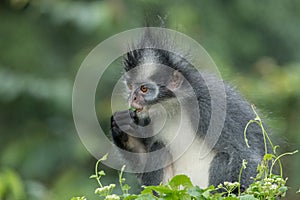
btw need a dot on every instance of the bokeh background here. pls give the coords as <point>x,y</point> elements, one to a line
<point>256,45</point>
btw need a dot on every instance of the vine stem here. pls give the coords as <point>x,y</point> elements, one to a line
<point>278,159</point>
<point>266,138</point>
<point>98,176</point>
<point>96,173</point>
<point>244,163</point>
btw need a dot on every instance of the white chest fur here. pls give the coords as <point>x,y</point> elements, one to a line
<point>193,165</point>
<point>185,146</point>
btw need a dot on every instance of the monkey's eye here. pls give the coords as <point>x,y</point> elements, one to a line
<point>144,89</point>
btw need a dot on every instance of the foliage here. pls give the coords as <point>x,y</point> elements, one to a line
<point>181,187</point>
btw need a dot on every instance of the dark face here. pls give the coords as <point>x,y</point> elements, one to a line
<point>148,87</point>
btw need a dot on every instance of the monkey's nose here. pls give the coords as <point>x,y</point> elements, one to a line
<point>136,105</point>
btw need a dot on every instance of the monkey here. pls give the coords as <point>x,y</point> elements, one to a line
<point>156,79</point>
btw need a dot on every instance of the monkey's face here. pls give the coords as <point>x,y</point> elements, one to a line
<point>143,95</point>
<point>149,87</point>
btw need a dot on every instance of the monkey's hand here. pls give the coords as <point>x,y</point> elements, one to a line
<point>125,126</point>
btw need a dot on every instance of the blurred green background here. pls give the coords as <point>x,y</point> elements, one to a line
<point>256,45</point>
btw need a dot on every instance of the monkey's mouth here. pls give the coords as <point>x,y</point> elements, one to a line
<point>141,109</point>
<point>137,107</point>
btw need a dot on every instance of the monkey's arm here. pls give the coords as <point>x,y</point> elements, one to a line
<point>125,122</point>
<point>123,130</point>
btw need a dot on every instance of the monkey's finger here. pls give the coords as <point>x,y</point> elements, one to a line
<point>113,123</point>
<point>117,118</point>
<point>121,115</point>
<point>132,114</point>
<point>127,129</point>
<point>116,131</point>
<point>125,121</point>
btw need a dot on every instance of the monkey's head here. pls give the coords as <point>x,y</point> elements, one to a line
<point>150,78</point>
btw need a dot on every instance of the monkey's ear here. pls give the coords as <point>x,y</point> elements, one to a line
<point>176,80</point>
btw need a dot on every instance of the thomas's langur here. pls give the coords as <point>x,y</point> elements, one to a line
<point>158,77</point>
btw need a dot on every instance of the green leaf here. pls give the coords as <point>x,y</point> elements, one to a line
<point>207,191</point>
<point>179,180</point>
<point>104,157</point>
<point>231,198</point>
<point>159,189</point>
<point>184,197</point>
<point>283,189</point>
<point>146,190</point>
<point>126,187</point>
<point>206,194</point>
<point>130,197</point>
<point>101,173</point>
<point>268,157</point>
<point>195,192</point>
<point>145,197</point>
<point>93,176</point>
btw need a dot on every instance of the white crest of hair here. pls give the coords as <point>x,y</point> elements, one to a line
<point>180,136</point>
<point>149,65</point>
<point>145,71</point>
